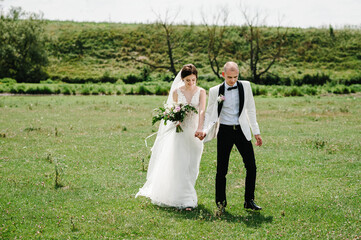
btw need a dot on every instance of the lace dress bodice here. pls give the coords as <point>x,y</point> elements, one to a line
<point>191,120</point>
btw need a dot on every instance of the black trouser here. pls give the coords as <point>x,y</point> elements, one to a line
<point>226,138</point>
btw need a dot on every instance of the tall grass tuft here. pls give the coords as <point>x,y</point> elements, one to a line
<point>49,158</point>
<point>58,172</point>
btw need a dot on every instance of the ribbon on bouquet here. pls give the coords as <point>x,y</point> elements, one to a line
<point>145,140</point>
<point>168,130</point>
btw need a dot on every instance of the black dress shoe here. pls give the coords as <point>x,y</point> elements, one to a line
<point>251,205</point>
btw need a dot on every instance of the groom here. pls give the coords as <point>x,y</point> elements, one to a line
<point>230,115</point>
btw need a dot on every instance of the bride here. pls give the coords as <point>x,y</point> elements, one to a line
<point>174,163</point>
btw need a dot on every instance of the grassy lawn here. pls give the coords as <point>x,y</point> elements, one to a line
<point>70,167</point>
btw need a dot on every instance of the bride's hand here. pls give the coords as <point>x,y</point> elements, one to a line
<point>199,134</point>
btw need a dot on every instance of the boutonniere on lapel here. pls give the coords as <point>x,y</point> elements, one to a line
<point>220,98</point>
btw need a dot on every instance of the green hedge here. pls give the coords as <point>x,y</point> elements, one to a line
<point>159,88</point>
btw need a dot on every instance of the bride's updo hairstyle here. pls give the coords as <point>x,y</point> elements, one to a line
<point>189,69</point>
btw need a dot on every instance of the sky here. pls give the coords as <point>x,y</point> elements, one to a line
<point>291,13</point>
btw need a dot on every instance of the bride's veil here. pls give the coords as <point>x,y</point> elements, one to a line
<point>177,82</point>
<point>163,129</point>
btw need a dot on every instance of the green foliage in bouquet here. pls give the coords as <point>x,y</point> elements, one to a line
<point>173,112</point>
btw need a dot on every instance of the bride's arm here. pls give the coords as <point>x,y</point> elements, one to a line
<point>175,96</point>
<point>201,110</point>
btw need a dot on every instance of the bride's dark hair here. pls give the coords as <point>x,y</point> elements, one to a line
<point>189,69</point>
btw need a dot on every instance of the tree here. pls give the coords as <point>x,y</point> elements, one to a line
<point>215,34</point>
<point>22,46</point>
<point>171,41</point>
<point>264,50</point>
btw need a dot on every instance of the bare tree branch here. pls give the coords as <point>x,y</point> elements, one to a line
<point>215,33</point>
<point>261,48</point>
<point>166,24</point>
<point>153,65</point>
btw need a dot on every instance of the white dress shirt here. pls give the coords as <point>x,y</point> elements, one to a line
<point>230,109</point>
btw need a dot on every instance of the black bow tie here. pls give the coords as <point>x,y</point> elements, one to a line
<point>230,88</point>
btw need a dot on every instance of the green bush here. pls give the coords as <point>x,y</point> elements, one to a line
<point>107,78</point>
<point>85,90</point>
<point>352,80</point>
<point>259,90</point>
<point>341,89</point>
<point>269,79</point>
<point>48,81</point>
<point>293,91</point>
<point>309,90</point>
<point>109,92</point>
<point>167,78</point>
<point>355,88</point>
<point>207,77</point>
<point>66,90</point>
<point>143,90</point>
<point>160,90</point>
<point>101,90</point>
<point>57,90</point>
<point>39,90</point>
<point>17,89</point>
<point>278,91</point>
<point>317,79</point>
<point>81,80</point>
<point>146,73</point>
<point>95,91</point>
<point>132,79</point>
<point>8,80</point>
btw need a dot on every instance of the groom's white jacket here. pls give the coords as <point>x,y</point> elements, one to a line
<point>247,118</point>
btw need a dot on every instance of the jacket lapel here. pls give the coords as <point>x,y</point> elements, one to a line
<point>241,96</point>
<point>220,104</point>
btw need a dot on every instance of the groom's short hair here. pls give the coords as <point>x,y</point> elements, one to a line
<point>230,66</point>
<point>189,69</point>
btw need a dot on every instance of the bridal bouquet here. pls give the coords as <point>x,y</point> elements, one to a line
<point>175,112</point>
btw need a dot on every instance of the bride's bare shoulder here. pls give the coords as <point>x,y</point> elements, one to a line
<point>202,90</point>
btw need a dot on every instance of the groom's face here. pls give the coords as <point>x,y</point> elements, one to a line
<point>230,76</point>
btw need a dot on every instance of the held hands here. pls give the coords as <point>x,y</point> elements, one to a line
<point>259,140</point>
<point>200,134</point>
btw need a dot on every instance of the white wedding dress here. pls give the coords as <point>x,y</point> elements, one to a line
<point>174,163</point>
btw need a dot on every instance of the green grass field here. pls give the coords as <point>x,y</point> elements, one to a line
<point>70,167</point>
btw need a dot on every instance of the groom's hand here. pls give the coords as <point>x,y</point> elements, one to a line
<point>259,140</point>
<point>201,137</point>
<point>200,134</point>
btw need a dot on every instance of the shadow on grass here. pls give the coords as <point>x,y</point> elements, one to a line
<point>250,218</point>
